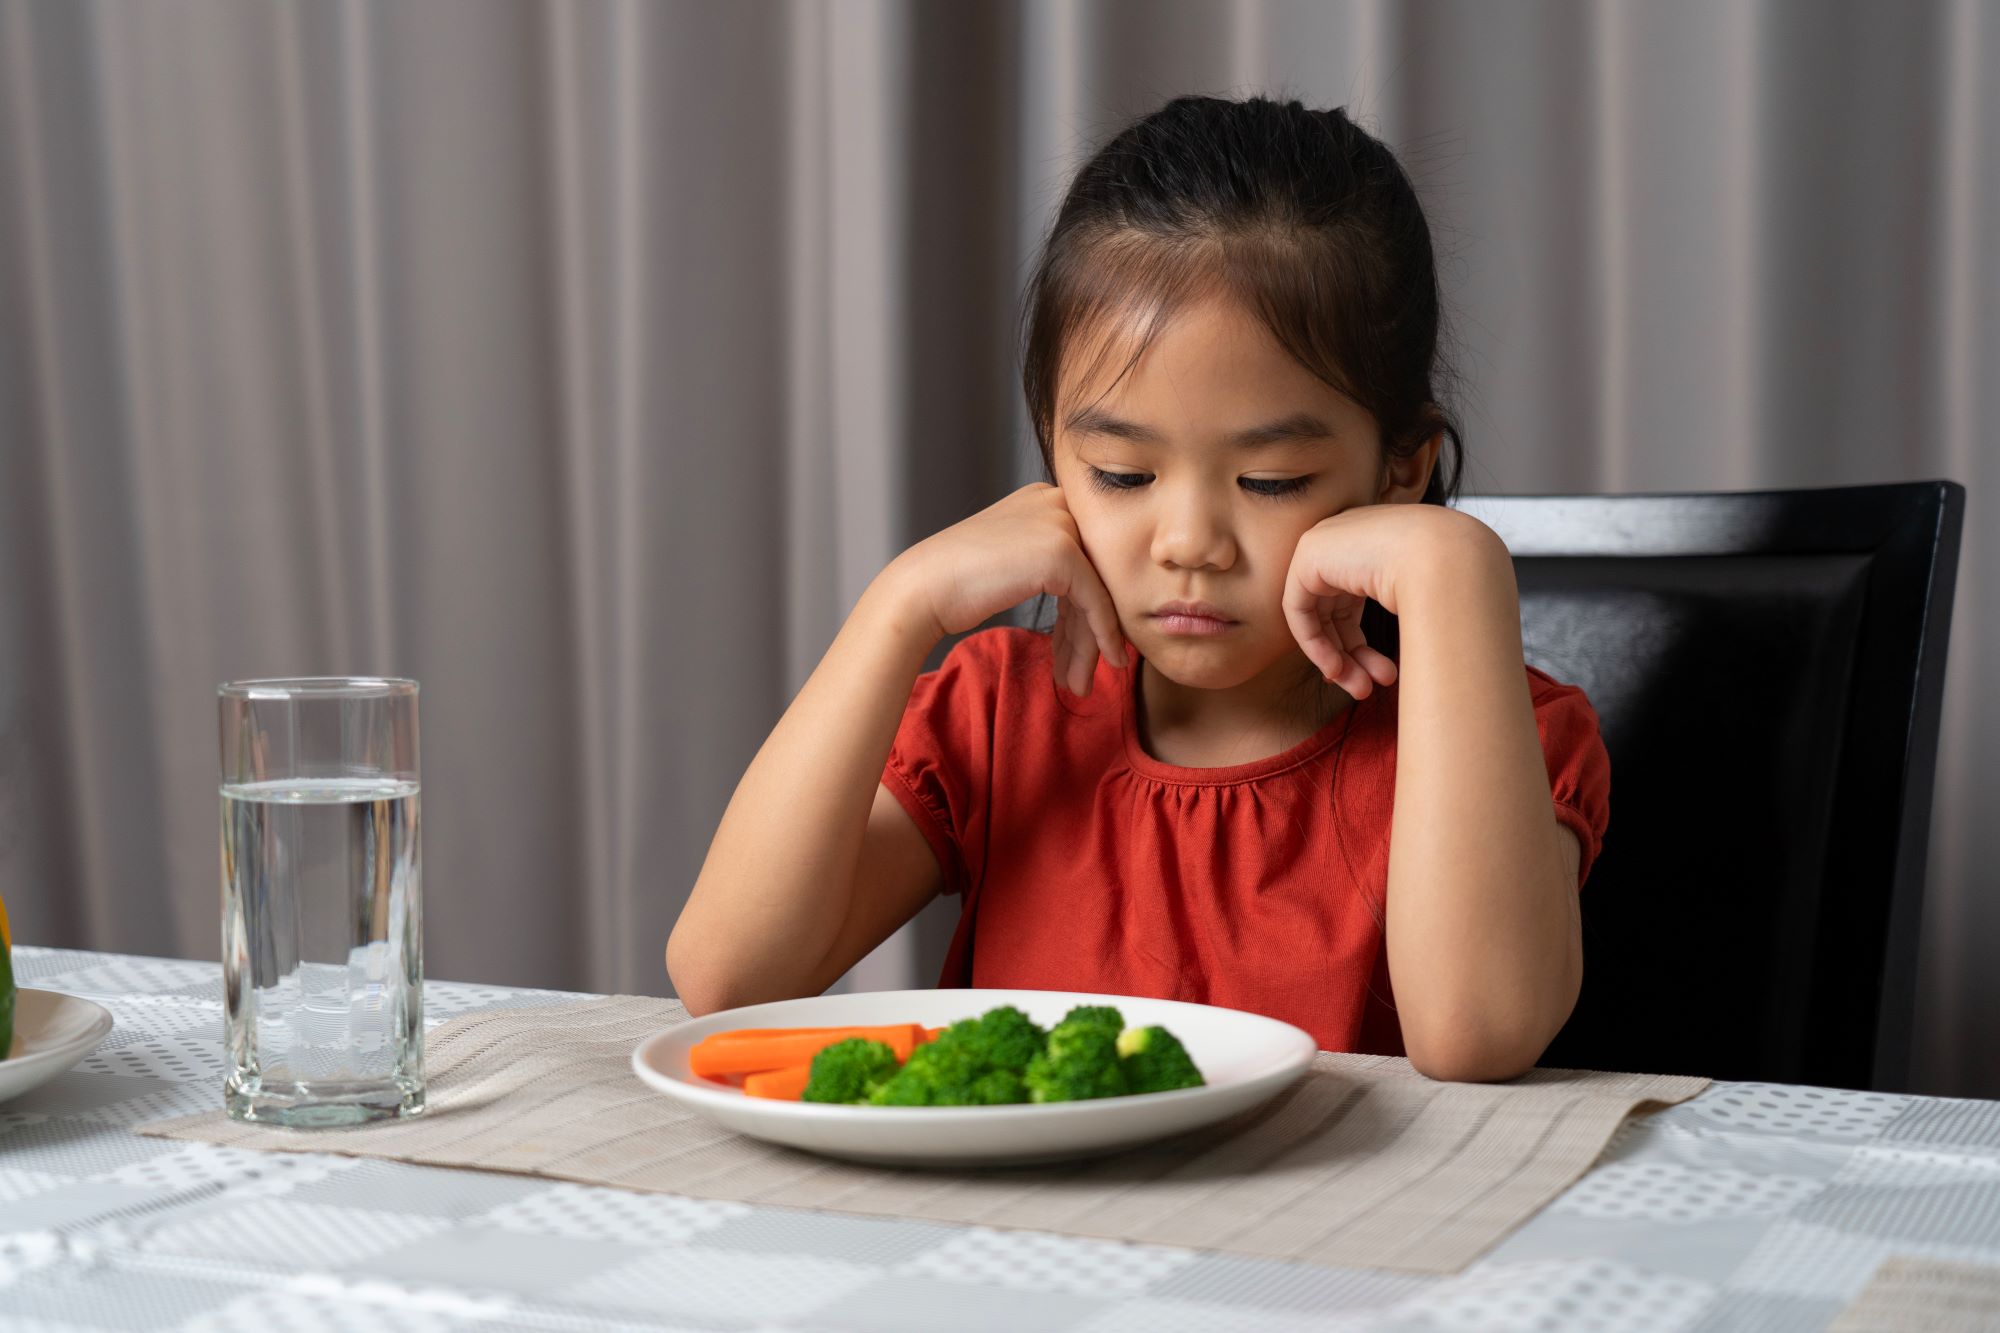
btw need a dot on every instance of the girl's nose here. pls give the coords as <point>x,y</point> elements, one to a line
<point>1192,534</point>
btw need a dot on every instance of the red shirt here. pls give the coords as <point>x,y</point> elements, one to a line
<point>1086,864</point>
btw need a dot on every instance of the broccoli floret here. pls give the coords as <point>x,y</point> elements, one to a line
<point>974,1062</point>
<point>949,1073</point>
<point>1155,1061</point>
<point>1080,1062</point>
<point>1095,1015</point>
<point>1007,1039</point>
<point>1004,1038</point>
<point>999,1087</point>
<point>905,1089</point>
<point>934,1068</point>
<point>848,1071</point>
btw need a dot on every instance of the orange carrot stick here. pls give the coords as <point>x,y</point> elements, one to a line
<point>784,1084</point>
<point>732,1053</point>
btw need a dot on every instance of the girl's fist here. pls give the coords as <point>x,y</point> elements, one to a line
<point>1383,552</point>
<point>1021,547</point>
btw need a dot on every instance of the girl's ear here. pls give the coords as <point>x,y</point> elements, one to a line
<point>1404,479</point>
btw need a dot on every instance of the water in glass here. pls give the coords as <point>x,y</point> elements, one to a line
<point>322,949</point>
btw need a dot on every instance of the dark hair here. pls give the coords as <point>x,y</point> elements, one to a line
<point>1305,219</point>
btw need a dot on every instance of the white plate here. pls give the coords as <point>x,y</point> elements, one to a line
<point>51,1032</point>
<point>1246,1059</point>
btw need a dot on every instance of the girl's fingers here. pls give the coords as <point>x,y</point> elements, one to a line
<point>1380,668</point>
<point>1082,657</point>
<point>1353,677</point>
<point>1342,669</point>
<point>1104,625</point>
<point>1377,665</point>
<point>1336,666</point>
<point>1059,644</point>
<point>1308,626</point>
<point>1088,596</point>
<point>1332,639</point>
<point>1072,653</point>
<point>1078,665</point>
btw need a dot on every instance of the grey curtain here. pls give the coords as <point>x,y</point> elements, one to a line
<point>585,360</point>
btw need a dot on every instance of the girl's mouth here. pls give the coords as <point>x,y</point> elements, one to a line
<point>1192,625</point>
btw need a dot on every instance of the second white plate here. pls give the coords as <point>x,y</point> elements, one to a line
<point>52,1031</point>
<point>1246,1059</point>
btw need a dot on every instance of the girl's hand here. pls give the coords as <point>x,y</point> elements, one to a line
<point>1025,545</point>
<point>1379,551</point>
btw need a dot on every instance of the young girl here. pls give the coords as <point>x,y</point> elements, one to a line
<point>1207,783</point>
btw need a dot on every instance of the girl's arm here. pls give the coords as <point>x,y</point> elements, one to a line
<point>1484,937</point>
<point>778,882</point>
<point>1483,933</point>
<point>813,864</point>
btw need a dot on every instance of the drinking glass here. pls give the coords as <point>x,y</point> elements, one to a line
<point>322,921</point>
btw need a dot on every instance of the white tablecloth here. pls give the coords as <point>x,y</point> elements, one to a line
<point>1752,1206</point>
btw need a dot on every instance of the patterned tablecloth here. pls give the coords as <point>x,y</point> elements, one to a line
<point>1752,1206</point>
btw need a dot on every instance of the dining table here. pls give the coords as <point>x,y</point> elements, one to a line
<point>1752,1206</point>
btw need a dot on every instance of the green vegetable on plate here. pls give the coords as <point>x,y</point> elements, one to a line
<point>1002,1057</point>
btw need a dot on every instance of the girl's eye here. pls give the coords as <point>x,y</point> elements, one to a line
<point>1117,481</point>
<point>1275,486</point>
<point>1272,487</point>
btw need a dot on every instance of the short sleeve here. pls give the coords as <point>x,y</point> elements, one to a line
<point>940,763</point>
<point>1579,765</point>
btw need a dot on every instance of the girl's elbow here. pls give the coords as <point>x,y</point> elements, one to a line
<point>705,985</point>
<point>697,1002</point>
<point>696,998</point>
<point>1471,1040</point>
<point>1470,1063</point>
<point>696,1008</point>
<point>1475,1053</point>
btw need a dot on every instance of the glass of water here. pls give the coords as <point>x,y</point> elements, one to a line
<point>322,922</point>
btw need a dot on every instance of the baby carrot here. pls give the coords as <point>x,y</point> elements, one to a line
<point>785,1084</point>
<point>732,1053</point>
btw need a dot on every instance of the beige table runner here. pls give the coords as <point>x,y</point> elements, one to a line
<point>1361,1163</point>
<point>1931,1294</point>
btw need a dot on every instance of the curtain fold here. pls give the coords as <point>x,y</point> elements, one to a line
<point>586,359</point>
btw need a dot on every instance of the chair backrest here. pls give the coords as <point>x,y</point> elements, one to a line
<point>1768,669</point>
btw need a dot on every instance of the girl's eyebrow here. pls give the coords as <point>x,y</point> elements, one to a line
<point>1297,426</point>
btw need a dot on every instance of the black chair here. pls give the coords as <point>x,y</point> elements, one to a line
<point>1768,668</point>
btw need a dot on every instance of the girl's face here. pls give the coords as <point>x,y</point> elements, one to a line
<point>1194,478</point>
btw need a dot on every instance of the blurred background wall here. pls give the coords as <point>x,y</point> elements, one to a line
<point>586,360</point>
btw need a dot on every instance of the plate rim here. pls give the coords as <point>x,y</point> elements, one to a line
<point>101,1024</point>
